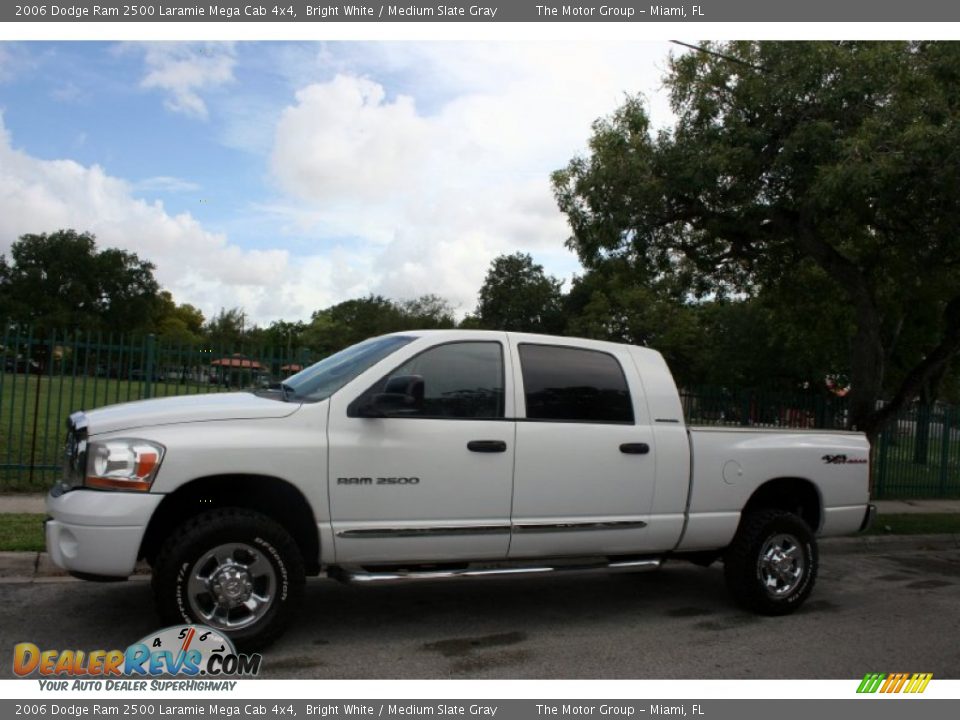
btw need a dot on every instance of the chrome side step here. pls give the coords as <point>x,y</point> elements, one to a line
<point>361,576</point>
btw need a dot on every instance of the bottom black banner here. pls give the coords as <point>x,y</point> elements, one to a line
<point>874,708</point>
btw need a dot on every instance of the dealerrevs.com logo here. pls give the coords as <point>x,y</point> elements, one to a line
<point>191,651</point>
<point>894,683</point>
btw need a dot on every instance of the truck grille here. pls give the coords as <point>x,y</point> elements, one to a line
<point>75,452</point>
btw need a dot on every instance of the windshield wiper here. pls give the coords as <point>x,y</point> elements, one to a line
<point>284,389</point>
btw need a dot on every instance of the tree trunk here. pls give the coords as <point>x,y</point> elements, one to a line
<point>921,438</point>
<point>930,367</point>
<point>928,398</point>
<point>866,370</point>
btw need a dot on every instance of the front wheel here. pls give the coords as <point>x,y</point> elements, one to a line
<point>233,570</point>
<point>771,565</point>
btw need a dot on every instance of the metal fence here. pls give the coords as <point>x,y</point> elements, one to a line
<point>917,455</point>
<point>44,377</point>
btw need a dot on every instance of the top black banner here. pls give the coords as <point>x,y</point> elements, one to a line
<point>543,11</point>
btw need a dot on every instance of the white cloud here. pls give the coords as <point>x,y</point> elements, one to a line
<point>68,92</point>
<point>15,62</point>
<point>165,184</point>
<point>344,141</point>
<point>196,265</point>
<point>6,63</point>
<point>412,167</point>
<point>455,168</point>
<point>184,70</point>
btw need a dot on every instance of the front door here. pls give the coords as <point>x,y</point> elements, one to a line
<point>431,480</point>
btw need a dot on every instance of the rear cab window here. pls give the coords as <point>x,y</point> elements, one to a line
<point>571,384</point>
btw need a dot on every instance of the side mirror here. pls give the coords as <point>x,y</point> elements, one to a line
<point>402,395</point>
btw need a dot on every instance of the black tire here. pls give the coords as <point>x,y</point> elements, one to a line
<point>257,559</point>
<point>763,580</point>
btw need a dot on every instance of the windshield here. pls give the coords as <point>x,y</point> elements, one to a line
<point>323,379</point>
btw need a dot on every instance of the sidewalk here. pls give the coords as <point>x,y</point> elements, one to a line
<point>34,504</point>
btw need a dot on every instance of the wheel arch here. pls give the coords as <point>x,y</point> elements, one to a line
<point>790,494</point>
<point>272,496</point>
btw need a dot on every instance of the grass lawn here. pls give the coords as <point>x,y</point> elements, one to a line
<point>915,524</point>
<point>24,531</point>
<point>21,531</point>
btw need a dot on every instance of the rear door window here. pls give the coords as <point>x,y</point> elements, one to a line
<point>567,384</point>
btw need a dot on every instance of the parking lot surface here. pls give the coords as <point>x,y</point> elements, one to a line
<point>875,610</point>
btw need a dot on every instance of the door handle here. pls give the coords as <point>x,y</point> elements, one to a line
<point>487,446</point>
<point>635,448</point>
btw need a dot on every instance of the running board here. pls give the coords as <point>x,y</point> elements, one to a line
<point>350,575</point>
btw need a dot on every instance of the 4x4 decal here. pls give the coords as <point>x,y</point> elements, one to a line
<point>843,460</point>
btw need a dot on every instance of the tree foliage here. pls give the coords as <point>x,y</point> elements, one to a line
<point>351,321</point>
<point>227,329</point>
<point>175,323</point>
<point>280,336</point>
<point>61,280</point>
<point>787,159</point>
<point>518,295</point>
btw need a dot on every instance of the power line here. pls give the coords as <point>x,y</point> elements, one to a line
<point>720,55</point>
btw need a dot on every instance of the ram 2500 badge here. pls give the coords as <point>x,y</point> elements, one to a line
<point>437,454</point>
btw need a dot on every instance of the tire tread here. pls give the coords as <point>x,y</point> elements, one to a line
<point>739,562</point>
<point>212,522</point>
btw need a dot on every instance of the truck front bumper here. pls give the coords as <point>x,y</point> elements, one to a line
<point>94,533</point>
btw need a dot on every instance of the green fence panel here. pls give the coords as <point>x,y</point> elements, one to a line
<point>917,454</point>
<point>46,375</point>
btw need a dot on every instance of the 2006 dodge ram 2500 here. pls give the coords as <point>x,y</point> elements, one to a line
<point>436,454</point>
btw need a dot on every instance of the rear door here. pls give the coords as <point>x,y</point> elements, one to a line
<point>585,462</point>
<point>435,482</point>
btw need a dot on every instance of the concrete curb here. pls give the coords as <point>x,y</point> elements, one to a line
<point>27,566</point>
<point>891,543</point>
<point>18,564</point>
<point>30,566</point>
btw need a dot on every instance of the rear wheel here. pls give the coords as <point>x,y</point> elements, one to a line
<point>771,565</point>
<point>233,570</point>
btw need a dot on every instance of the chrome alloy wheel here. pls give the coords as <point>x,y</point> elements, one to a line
<point>231,586</point>
<point>781,565</point>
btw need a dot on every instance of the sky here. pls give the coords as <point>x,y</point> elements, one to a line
<point>285,177</point>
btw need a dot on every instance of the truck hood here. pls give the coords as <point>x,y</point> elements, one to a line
<point>186,409</point>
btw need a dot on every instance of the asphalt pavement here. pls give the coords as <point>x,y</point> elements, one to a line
<point>882,603</point>
<point>877,607</point>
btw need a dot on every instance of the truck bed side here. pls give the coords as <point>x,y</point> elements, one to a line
<point>731,464</point>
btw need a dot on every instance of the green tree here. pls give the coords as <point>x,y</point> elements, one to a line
<point>281,336</point>
<point>844,157</point>
<point>177,323</point>
<point>518,295</point>
<point>427,312</point>
<point>227,330</point>
<point>351,321</point>
<point>608,303</point>
<point>60,280</point>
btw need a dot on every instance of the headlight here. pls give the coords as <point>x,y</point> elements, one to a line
<point>123,464</point>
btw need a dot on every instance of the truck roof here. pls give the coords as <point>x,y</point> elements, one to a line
<point>531,337</point>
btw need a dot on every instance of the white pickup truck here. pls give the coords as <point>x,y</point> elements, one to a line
<point>438,454</point>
